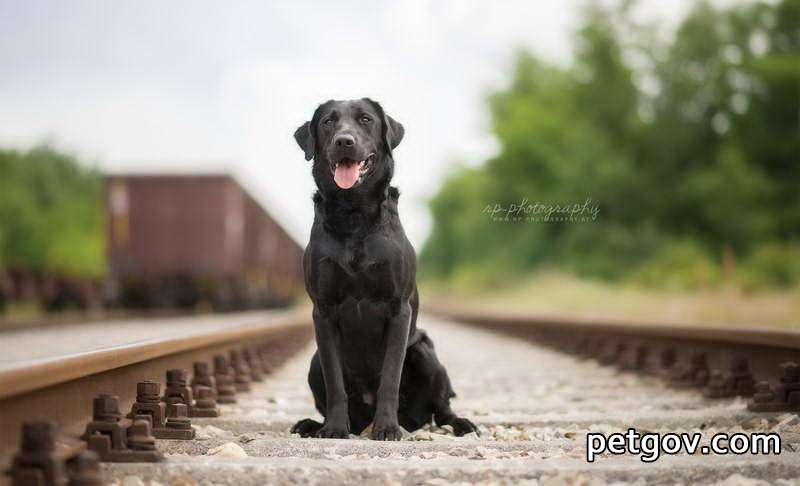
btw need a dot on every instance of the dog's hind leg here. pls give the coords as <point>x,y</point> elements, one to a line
<point>443,414</point>
<point>306,427</point>
<point>425,361</point>
<point>309,427</point>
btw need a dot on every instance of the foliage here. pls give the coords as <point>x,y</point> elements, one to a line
<point>689,147</point>
<point>51,218</point>
<point>772,265</point>
<point>678,265</point>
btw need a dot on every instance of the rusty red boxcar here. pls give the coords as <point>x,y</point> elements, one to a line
<point>193,240</point>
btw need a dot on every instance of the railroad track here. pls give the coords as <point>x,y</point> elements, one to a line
<point>55,374</point>
<point>535,404</point>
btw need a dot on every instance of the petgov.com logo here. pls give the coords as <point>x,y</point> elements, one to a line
<point>538,212</point>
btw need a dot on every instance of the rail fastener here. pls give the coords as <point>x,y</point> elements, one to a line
<point>782,397</point>
<point>178,425</point>
<point>168,415</point>
<point>667,359</point>
<point>204,390</point>
<point>737,381</point>
<point>46,457</point>
<point>253,361</point>
<point>177,390</point>
<point>205,403</point>
<point>693,373</point>
<point>223,374</point>
<point>634,358</point>
<point>242,378</point>
<point>611,353</point>
<point>117,439</point>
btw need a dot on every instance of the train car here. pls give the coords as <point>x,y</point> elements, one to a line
<point>195,240</point>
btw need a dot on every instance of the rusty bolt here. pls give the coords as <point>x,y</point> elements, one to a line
<point>716,387</point>
<point>203,375</point>
<point>86,471</point>
<point>698,359</point>
<point>221,365</point>
<point>254,362</point>
<point>764,393</point>
<point>740,364</point>
<point>178,416</point>
<point>237,359</point>
<point>202,369</point>
<point>640,355</point>
<point>39,461</point>
<point>668,358</point>
<point>176,377</point>
<point>790,372</point>
<point>105,408</point>
<point>38,435</point>
<point>635,358</point>
<point>148,391</point>
<point>699,368</point>
<point>742,377</point>
<point>140,436</point>
<point>205,397</point>
<point>146,417</point>
<point>612,352</point>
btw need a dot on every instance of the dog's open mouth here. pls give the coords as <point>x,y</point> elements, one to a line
<point>348,173</point>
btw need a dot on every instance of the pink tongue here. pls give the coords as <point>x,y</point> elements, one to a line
<point>346,175</point>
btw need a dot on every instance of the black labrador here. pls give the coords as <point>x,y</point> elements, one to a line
<point>372,365</point>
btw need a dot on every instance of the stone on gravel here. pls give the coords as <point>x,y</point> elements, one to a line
<point>739,480</point>
<point>210,432</point>
<point>229,450</point>
<point>132,481</point>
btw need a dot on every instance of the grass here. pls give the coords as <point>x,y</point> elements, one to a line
<point>23,310</point>
<point>557,293</point>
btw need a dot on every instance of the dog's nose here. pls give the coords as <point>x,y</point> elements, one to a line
<point>344,140</point>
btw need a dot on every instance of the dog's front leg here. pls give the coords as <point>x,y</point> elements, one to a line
<point>385,425</point>
<point>337,421</point>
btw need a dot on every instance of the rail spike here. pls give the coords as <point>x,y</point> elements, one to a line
<point>44,457</point>
<point>783,397</point>
<point>223,374</point>
<point>117,439</point>
<point>737,381</point>
<point>694,373</point>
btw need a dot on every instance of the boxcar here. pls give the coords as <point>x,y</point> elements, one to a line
<point>195,240</point>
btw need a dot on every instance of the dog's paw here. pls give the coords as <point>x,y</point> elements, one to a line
<point>462,426</point>
<point>306,428</point>
<point>330,431</point>
<point>387,432</point>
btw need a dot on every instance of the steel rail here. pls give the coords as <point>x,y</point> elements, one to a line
<point>713,333</point>
<point>709,354</point>
<point>62,388</point>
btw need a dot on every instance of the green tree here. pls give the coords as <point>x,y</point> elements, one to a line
<point>51,216</point>
<point>689,147</point>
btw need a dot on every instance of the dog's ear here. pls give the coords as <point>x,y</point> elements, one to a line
<point>391,129</point>
<point>394,131</point>
<point>304,135</point>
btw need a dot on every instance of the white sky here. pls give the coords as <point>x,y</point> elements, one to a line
<point>185,86</point>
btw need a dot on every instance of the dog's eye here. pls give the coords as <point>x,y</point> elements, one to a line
<point>328,121</point>
<point>365,119</point>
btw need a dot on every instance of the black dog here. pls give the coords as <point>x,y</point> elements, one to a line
<point>372,364</point>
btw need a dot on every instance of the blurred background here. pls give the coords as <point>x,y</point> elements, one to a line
<point>629,158</point>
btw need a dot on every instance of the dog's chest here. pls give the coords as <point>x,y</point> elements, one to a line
<point>365,264</point>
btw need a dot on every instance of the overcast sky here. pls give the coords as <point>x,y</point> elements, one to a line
<point>182,86</point>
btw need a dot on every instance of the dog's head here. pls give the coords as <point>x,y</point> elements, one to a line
<point>351,143</point>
